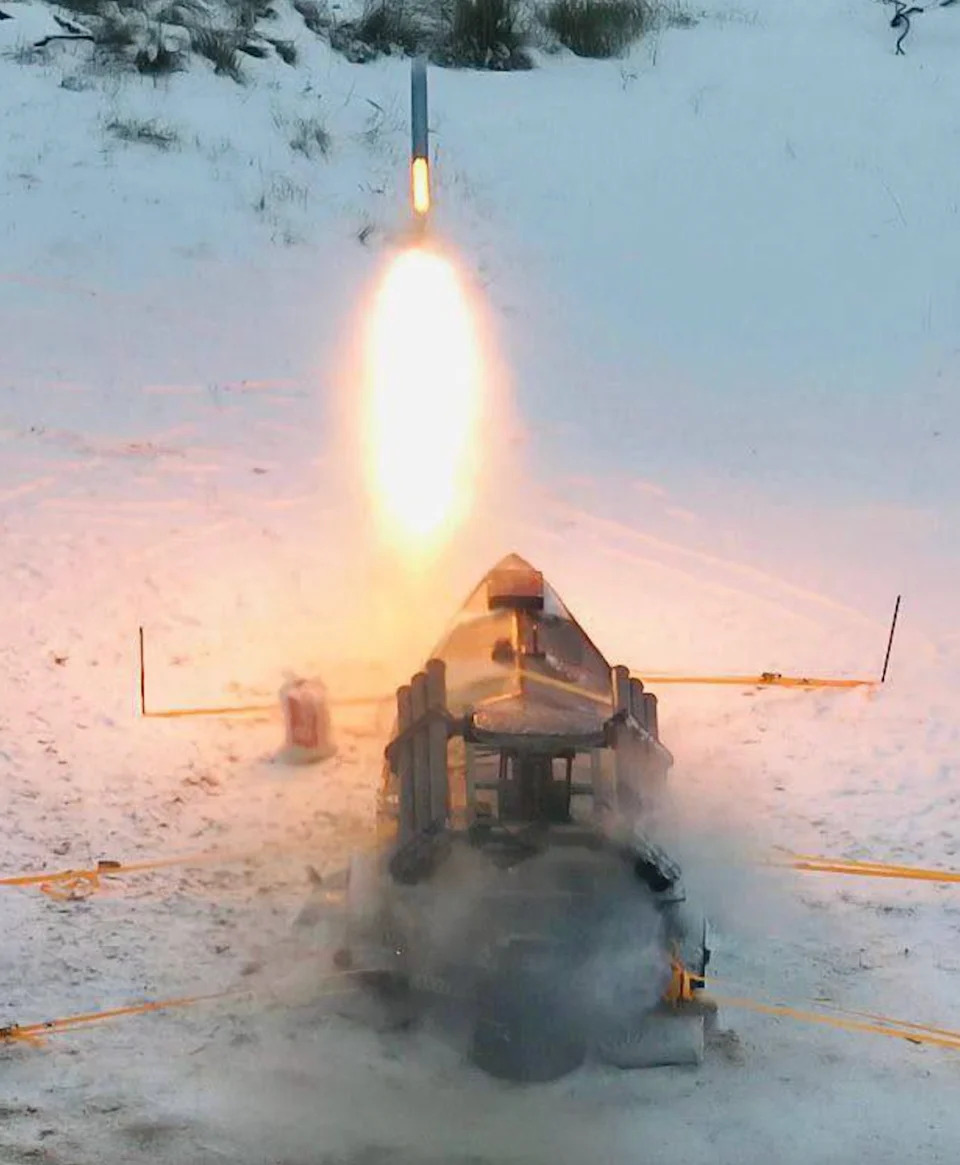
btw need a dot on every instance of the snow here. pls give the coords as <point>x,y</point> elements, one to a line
<point>722,279</point>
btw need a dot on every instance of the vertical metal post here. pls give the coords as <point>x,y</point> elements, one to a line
<point>620,680</point>
<point>469,771</point>
<point>601,798</point>
<point>421,752</point>
<point>516,639</point>
<point>504,762</point>
<point>404,768</point>
<point>637,704</point>
<point>651,714</point>
<point>893,627</point>
<point>143,679</point>
<point>437,742</point>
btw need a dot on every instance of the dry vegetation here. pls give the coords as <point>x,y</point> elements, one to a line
<point>158,37</point>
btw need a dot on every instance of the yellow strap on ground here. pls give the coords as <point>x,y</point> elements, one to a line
<point>35,1033</point>
<point>259,709</point>
<point>180,713</point>
<point>74,884</point>
<point>865,1022</point>
<point>864,869</point>
<point>842,1017</point>
<point>914,1033</point>
<point>764,680</point>
<point>947,1033</point>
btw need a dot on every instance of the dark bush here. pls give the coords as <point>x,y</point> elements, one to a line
<point>186,12</point>
<point>385,27</point>
<point>286,50</point>
<point>315,17</point>
<point>82,7</point>
<point>310,138</point>
<point>150,133</point>
<point>158,61</point>
<point>596,28</point>
<point>484,34</point>
<point>221,47</point>
<point>114,34</point>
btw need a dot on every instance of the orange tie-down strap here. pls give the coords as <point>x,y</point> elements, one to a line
<point>812,864</point>
<point>914,1033</point>
<point>74,884</point>
<point>261,709</point>
<point>36,1033</point>
<point>77,884</point>
<point>767,679</point>
<point>864,1022</point>
<point>762,680</point>
<point>830,1015</point>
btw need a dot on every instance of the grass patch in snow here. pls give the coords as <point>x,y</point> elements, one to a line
<point>477,34</point>
<point>221,47</point>
<point>184,13</point>
<point>315,16</point>
<point>485,34</point>
<point>74,83</point>
<point>28,54</point>
<point>82,7</point>
<point>387,25</point>
<point>282,192</point>
<point>157,37</point>
<point>310,138</point>
<point>148,133</point>
<point>114,32</point>
<point>383,28</point>
<point>159,59</point>
<point>597,28</point>
<point>286,50</point>
<point>674,16</point>
<point>247,14</point>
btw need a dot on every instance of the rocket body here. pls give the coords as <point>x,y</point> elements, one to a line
<point>420,140</point>
<point>420,145</point>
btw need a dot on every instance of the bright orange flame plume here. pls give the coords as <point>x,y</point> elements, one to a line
<point>423,397</point>
<point>420,185</point>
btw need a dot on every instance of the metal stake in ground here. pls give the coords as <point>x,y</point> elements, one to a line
<point>893,627</point>
<point>143,679</point>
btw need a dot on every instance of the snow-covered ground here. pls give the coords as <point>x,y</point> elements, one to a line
<point>723,278</point>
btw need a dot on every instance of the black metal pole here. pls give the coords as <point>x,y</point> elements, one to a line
<point>143,679</point>
<point>893,627</point>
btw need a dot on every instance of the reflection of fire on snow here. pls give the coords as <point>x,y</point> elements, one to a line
<point>424,374</point>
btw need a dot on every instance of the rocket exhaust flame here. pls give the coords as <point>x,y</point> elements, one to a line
<point>424,384</point>
<point>420,186</point>
<point>424,381</point>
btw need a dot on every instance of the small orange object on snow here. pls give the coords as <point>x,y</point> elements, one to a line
<point>306,713</point>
